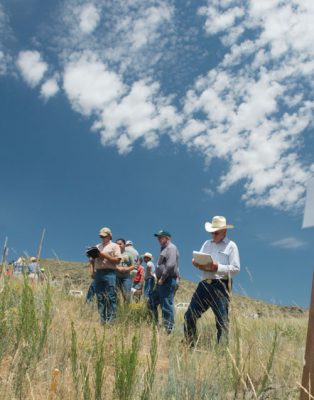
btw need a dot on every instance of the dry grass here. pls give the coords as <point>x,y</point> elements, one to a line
<point>264,359</point>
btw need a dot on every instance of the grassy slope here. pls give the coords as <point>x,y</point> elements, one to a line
<point>264,359</point>
<point>79,275</point>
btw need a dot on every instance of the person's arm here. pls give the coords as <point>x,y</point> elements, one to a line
<point>129,268</point>
<point>92,267</point>
<point>125,269</point>
<point>112,259</point>
<point>233,265</point>
<point>149,267</point>
<point>142,278</point>
<point>115,258</point>
<point>212,266</point>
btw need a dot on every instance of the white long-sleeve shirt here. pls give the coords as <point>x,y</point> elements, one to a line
<point>226,254</point>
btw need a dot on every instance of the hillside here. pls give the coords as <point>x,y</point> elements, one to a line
<point>79,276</point>
<point>53,347</point>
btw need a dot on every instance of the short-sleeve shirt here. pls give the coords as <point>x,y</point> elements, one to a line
<point>126,261</point>
<point>150,271</point>
<point>33,268</point>
<point>113,250</point>
<point>131,250</point>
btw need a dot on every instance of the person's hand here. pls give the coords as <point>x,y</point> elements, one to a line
<point>196,264</point>
<point>212,266</point>
<point>160,281</point>
<point>92,274</point>
<point>120,269</point>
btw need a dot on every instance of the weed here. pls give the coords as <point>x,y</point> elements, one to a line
<point>125,368</point>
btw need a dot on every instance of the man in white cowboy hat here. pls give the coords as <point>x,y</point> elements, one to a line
<point>213,291</point>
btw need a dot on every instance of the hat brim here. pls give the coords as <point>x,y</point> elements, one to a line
<point>147,256</point>
<point>209,227</point>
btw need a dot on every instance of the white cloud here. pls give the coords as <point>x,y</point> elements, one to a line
<point>5,34</point>
<point>131,36</point>
<point>142,114</point>
<point>49,88</point>
<point>89,18</point>
<point>89,84</point>
<point>122,114</point>
<point>252,109</point>
<point>291,243</point>
<point>257,102</point>
<point>31,66</point>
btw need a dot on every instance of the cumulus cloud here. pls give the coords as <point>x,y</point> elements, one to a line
<point>290,243</point>
<point>89,84</point>
<point>252,108</point>
<point>89,18</point>
<point>131,36</point>
<point>31,66</point>
<point>142,114</point>
<point>49,88</point>
<point>257,101</point>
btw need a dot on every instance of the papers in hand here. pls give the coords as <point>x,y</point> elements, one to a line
<point>202,258</point>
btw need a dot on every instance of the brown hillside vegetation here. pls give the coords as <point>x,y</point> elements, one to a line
<point>79,279</point>
<point>52,347</point>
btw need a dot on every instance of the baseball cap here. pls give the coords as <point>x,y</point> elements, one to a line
<point>105,232</point>
<point>162,232</point>
<point>129,243</point>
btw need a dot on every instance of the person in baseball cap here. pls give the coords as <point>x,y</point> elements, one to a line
<point>103,271</point>
<point>167,272</point>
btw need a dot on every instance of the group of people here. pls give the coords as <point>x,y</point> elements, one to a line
<point>113,263</point>
<point>32,268</point>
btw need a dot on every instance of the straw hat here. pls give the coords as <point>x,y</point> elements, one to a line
<point>218,223</point>
<point>33,259</point>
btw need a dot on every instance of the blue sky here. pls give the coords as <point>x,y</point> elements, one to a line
<point>160,114</point>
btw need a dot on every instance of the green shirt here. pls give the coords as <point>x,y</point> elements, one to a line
<point>126,261</point>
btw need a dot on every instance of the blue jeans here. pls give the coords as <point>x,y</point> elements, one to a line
<point>124,284</point>
<point>105,287</point>
<point>149,287</point>
<point>208,295</point>
<point>91,292</point>
<point>163,295</point>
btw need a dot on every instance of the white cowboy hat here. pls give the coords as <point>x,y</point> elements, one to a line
<point>148,255</point>
<point>218,223</point>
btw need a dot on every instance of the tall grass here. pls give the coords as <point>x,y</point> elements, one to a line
<point>43,330</point>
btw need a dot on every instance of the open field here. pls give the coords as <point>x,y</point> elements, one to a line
<point>52,347</point>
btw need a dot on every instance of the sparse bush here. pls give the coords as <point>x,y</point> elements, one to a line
<point>126,363</point>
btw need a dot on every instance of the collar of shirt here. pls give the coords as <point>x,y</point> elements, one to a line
<point>224,240</point>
